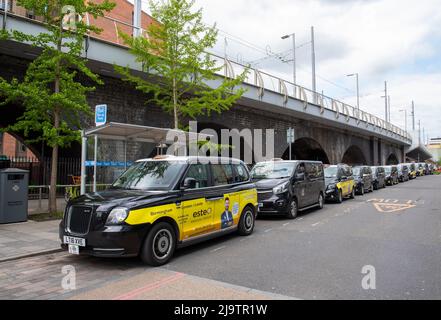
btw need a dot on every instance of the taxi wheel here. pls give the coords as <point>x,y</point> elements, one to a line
<point>159,245</point>
<point>321,201</point>
<point>340,197</point>
<point>352,196</point>
<point>246,222</point>
<point>292,209</point>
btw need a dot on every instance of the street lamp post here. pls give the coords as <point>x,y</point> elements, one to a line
<point>293,36</point>
<point>358,92</point>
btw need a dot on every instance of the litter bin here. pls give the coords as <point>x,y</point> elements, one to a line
<point>13,195</point>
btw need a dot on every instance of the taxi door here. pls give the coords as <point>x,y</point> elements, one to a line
<point>197,211</point>
<point>226,201</point>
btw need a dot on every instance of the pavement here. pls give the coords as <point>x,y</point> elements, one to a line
<point>392,236</point>
<point>24,239</point>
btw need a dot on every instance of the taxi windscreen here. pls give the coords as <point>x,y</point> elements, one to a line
<point>273,170</point>
<point>150,175</point>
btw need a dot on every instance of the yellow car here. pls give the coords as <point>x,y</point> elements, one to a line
<point>420,169</point>
<point>160,204</point>
<point>412,170</point>
<point>339,182</point>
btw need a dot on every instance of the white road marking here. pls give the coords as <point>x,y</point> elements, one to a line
<point>217,249</point>
<point>268,230</point>
<point>285,224</point>
<point>314,224</point>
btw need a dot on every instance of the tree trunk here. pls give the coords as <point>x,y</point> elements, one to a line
<point>53,181</point>
<point>175,104</point>
<point>54,162</point>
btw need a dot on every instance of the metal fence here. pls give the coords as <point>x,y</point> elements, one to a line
<point>40,169</point>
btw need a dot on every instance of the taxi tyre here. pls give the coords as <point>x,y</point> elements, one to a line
<point>321,201</point>
<point>247,221</point>
<point>293,209</point>
<point>339,196</point>
<point>164,231</point>
<point>352,196</point>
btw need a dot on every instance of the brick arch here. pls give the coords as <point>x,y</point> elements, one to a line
<point>392,159</point>
<point>306,149</point>
<point>353,156</point>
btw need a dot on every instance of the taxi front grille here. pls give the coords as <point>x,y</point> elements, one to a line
<point>264,194</point>
<point>78,219</point>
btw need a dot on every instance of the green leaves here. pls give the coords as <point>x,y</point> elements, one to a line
<point>53,97</point>
<point>173,52</point>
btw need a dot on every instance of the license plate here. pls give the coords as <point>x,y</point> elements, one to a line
<point>73,249</point>
<point>75,241</point>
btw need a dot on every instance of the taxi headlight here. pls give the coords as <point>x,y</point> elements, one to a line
<point>331,186</point>
<point>281,188</point>
<point>117,215</point>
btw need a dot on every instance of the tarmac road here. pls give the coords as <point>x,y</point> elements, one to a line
<point>395,233</point>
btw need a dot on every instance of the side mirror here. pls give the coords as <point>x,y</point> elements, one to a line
<point>300,176</point>
<point>189,183</point>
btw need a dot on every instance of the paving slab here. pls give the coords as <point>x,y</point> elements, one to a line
<point>29,238</point>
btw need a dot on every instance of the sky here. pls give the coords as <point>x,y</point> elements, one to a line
<point>394,40</point>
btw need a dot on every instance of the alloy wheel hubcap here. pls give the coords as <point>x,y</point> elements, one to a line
<point>162,244</point>
<point>249,221</point>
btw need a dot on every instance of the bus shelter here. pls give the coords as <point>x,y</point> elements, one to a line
<point>162,137</point>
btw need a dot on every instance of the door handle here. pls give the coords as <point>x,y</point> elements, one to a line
<point>214,198</point>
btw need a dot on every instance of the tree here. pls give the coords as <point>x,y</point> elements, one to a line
<point>173,53</point>
<point>51,93</point>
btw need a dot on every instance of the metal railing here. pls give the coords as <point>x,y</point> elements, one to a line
<point>41,193</point>
<point>264,81</point>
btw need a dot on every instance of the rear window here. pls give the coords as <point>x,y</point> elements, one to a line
<point>222,174</point>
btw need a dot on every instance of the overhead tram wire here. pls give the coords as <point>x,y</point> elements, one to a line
<point>269,54</point>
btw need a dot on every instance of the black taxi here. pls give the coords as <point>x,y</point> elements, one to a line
<point>160,204</point>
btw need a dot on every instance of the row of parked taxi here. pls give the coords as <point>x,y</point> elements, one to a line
<point>287,187</point>
<point>163,203</point>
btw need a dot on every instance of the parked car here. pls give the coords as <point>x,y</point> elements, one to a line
<point>431,168</point>
<point>420,169</point>
<point>378,177</point>
<point>391,175</point>
<point>426,168</point>
<point>403,172</point>
<point>160,204</point>
<point>339,182</point>
<point>363,179</point>
<point>287,187</point>
<point>412,170</point>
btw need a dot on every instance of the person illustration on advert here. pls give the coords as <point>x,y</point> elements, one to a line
<point>227,216</point>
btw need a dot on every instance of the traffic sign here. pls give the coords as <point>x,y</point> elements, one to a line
<point>100,114</point>
<point>290,136</point>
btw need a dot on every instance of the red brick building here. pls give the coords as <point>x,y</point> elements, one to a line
<point>120,18</point>
<point>13,148</point>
